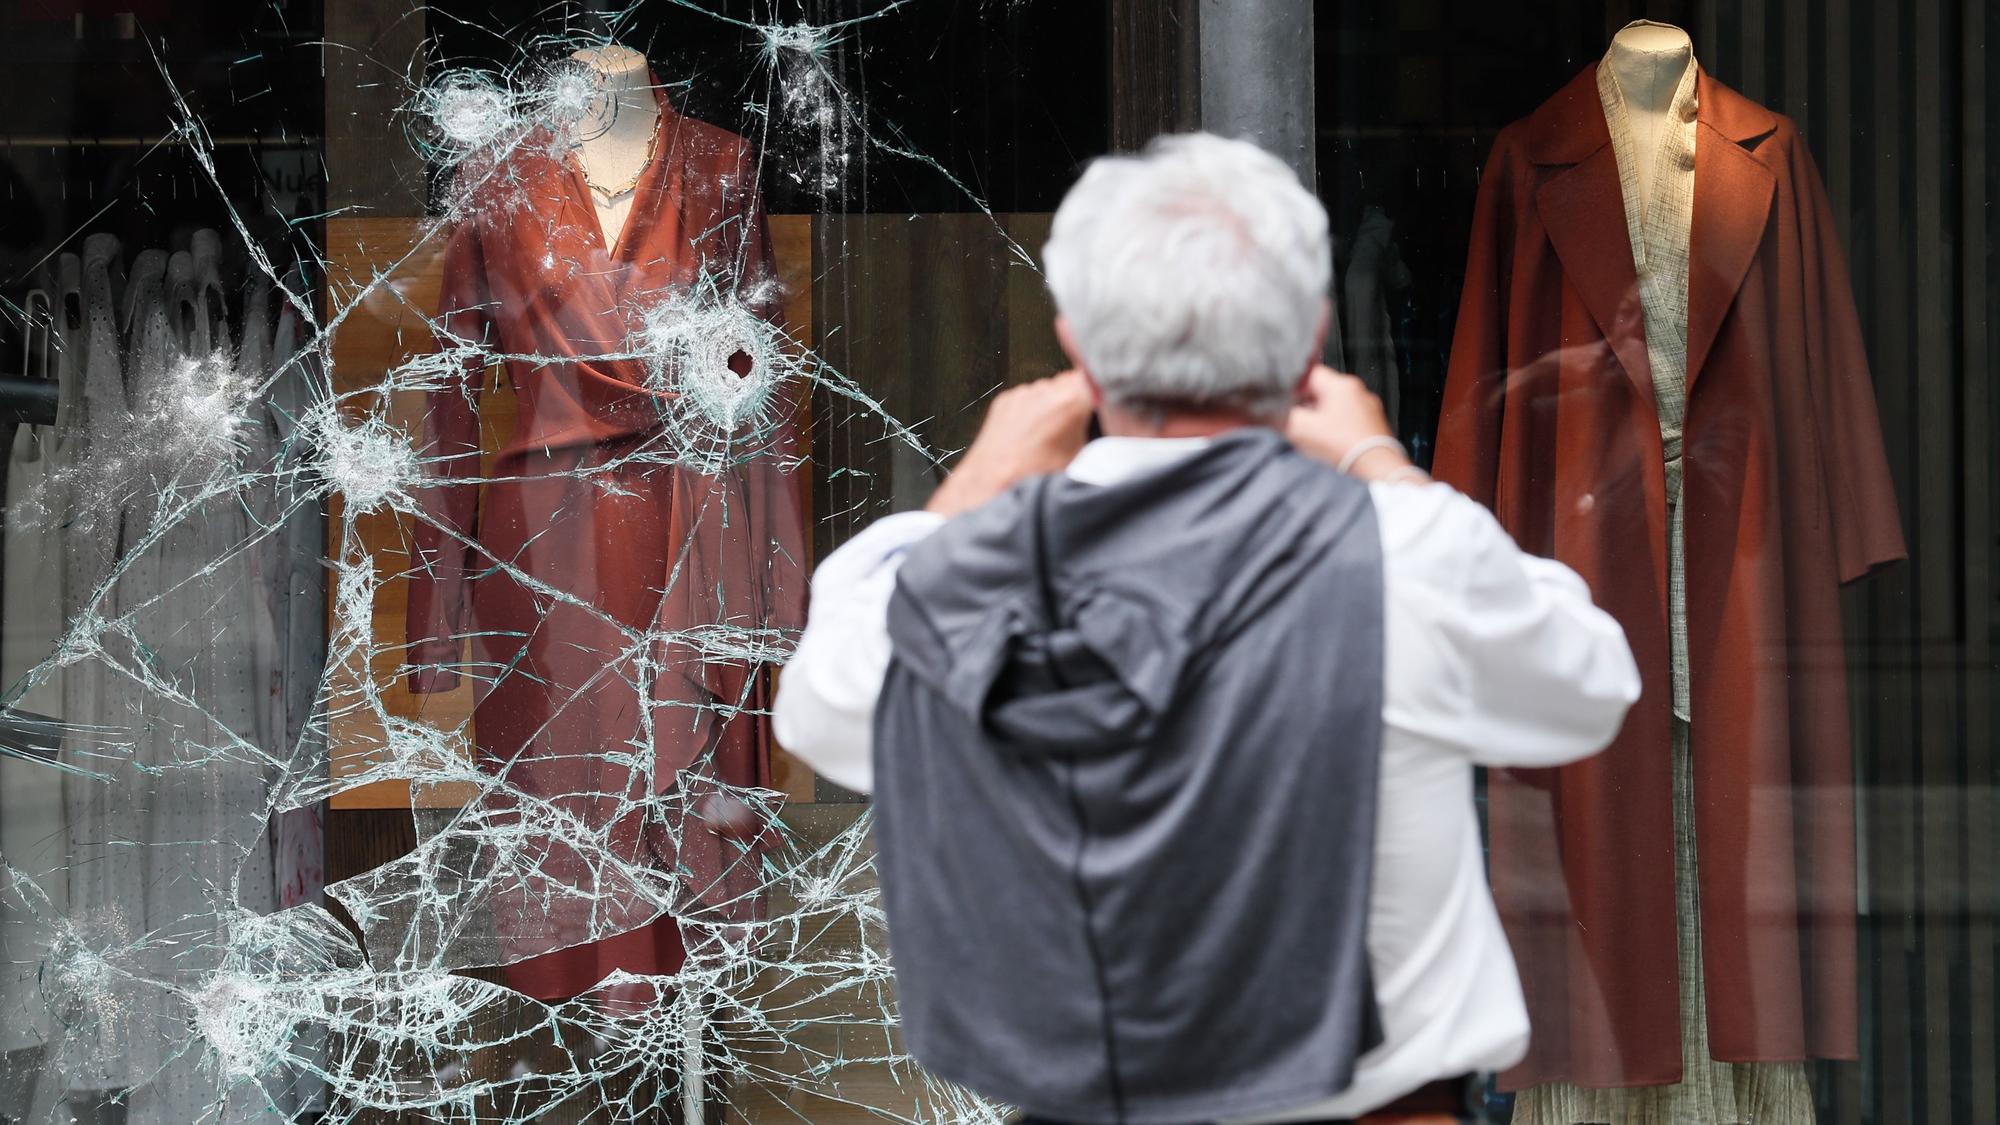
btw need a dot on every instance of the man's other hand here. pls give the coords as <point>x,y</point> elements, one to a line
<point>1335,416</point>
<point>1030,430</point>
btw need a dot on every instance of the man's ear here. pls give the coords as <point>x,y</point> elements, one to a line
<point>1319,336</point>
<point>1067,339</point>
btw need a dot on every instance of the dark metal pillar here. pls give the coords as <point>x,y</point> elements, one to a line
<point>1256,76</point>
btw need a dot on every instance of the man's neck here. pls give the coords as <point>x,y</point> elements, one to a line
<point>1174,423</point>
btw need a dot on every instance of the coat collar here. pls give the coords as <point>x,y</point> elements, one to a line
<point>1583,210</point>
<point>1570,126</point>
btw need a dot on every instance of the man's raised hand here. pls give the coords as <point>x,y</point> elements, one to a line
<point>1030,430</point>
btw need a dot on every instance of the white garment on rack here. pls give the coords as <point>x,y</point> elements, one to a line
<point>179,555</point>
<point>89,369</point>
<point>102,873</point>
<point>168,841</point>
<point>193,600</point>
<point>111,1016</point>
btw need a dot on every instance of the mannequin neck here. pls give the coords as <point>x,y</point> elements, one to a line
<point>617,133</point>
<point>1648,59</point>
<point>627,107</point>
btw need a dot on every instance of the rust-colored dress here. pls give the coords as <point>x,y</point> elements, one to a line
<point>600,585</point>
<point>1549,417</point>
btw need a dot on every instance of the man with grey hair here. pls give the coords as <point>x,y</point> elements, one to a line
<point>1171,733</point>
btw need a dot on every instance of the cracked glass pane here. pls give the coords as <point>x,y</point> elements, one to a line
<point>422,420</point>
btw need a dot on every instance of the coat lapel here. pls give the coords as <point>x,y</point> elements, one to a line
<point>1732,205</point>
<point>1584,211</point>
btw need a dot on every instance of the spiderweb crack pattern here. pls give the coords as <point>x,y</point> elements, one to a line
<point>214,457</point>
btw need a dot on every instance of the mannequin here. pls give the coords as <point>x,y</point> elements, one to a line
<point>1649,59</point>
<point>590,496</point>
<point>1616,346</point>
<point>618,136</point>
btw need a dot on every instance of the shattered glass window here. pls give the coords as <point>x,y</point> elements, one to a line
<point>421,422</point>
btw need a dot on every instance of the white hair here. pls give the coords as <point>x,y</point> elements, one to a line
<point>1192,275</point>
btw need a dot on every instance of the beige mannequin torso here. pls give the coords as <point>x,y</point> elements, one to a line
<point>616,136</point>
<point>1648,60</point>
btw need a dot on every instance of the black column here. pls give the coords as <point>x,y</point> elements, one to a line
<point>1256,67</point>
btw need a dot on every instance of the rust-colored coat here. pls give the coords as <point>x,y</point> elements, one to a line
<point>1548,417</point>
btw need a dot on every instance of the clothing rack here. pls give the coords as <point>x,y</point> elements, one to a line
<point>29,399</point>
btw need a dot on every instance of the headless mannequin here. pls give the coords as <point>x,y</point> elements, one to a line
<point>1650,64</point>
<point>616,136</point>
<point>1648,60</point>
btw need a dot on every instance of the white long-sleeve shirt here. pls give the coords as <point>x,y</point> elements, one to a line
<point>1493,657</point>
